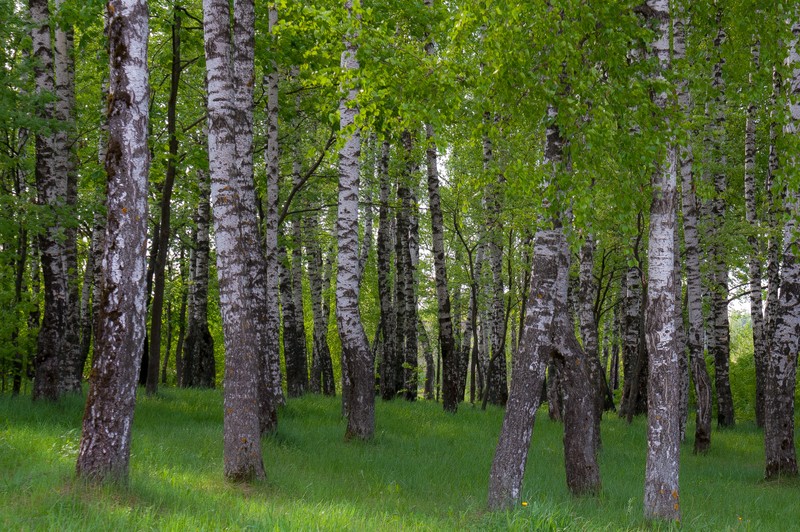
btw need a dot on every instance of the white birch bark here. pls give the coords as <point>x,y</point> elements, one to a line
<point>781,456</point>
<point>754,265</point>
<point>271,367</point>
<point>236,233</point>
<point>661,488</point>
<point>355,347</point>
<point>104,451</point>
<point>694,289</point>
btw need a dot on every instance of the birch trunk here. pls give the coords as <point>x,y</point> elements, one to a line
<point>694,288</point>
<point>388,314</point>
<point>720,347</point>
<point>450,390</point>
<point>511,454</point>
<point>270,376</point>
<point>104,451</point>
<point>54,374</point>
<point>321,367</point>
<point>754,266</point>
<point>199,346</point>
<point>781,457</point>
<point>236,232</point>
<point>773,247</point>
<point>661,488</point>
<point>355,347</point>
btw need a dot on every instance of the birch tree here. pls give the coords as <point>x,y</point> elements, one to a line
<point>356,354</point>
<point>104,451</point>
<point>661,489</point>
<point>779,444</point>
<point>236,235</point>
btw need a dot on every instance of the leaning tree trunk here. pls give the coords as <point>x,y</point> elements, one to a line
<point>694,289</point>
<point>547,330</point>
<point>199,346</point>
<point>105,443</point>
<point>236,232</point>
<point>527,376</point>
<point>781,457</point>
<point>661,496</point>
<point>355,347</point>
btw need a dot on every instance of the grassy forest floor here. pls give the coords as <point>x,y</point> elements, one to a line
<point>424,470</point>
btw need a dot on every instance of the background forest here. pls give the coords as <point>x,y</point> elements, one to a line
<point>402,174</point>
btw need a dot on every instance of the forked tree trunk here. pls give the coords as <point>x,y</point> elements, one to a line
<point>58,347</point>
<point>355,347</point>
<point>661,488</point>
<point>104,451</point>
<point>547,331</point>
<point>236,234</point>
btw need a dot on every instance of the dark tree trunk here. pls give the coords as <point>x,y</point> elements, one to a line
<point>105,443</point>
<point>293,344</point>
<point>450,393</point>
<point>388,315</point>
<point>159,278</point>
<point>321,366</point>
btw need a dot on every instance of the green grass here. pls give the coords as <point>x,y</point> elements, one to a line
<point>424,470</point>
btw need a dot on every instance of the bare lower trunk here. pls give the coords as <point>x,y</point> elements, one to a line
<point>355,348</point>
<point>661,488</point>
<point>236,235</point>
<point>754,263</point>
<point>388,314</point>
<point>271,391</point>
<point>104,451</point>
<point>781,457</point>
<point>547,331</point>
